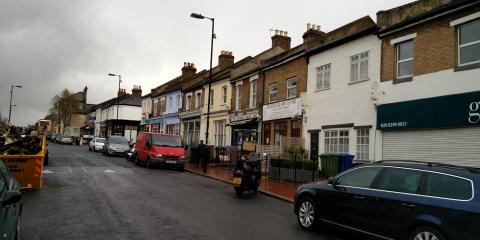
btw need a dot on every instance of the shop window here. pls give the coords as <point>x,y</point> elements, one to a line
<point>296,128</point>
<point>273,93</point>
<point>220,133</point>
<point>191,133</point>
<point>336,142</point>
<point>359,67</point>
<point>469,43</point>
<point>323,77</point>
<point>253,94</point>
<point>281,129</point>
<point>405,59</point>
<point>291,88</point>
<point>363,145</point>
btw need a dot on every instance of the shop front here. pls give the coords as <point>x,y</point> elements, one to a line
<point>443,129</point>
<point>282,119</point>
<point>244,128</point>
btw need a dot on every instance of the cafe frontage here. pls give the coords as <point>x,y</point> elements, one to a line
<point>245,127</point>
<point>282,118</point>
<point>442,129</point>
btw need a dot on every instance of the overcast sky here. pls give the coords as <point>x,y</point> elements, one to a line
<point>47,46</point>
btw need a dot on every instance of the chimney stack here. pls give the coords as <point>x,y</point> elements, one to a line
<point>281,39</point>
<point>122,92</point>
<point>225,59</point>
<point>188,70</point>
<point>137,90</point>
<point>313,36</point>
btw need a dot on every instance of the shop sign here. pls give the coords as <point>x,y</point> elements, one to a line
<point>285,109</point>
<point>459,110</point>
<point>244,117</point>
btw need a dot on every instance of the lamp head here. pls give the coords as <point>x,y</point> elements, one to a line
<point>196,15</point>
<point>111,74</point>
<point>18,86</point>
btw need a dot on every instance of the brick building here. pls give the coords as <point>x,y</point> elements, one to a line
<point>247,98</point>
<point>429,96</point>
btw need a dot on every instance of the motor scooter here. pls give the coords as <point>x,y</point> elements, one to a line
<point>247,175</point>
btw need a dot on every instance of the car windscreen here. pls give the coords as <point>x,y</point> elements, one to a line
<point>170,141</point>
<point>101,140</point>
<point>118,140</point>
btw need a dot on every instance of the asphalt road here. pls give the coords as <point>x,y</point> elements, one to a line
<point>86,195</point>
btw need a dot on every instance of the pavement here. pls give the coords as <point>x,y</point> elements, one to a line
<point>282,190</point>
<point>86,195</point>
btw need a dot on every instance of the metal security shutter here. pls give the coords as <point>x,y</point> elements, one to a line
<point>460,146</point>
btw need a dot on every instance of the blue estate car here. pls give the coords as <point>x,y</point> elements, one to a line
<point>396,200</point>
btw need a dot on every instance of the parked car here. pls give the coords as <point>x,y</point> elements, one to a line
<point>11,204</point>
<point>159,149</point>
<point>58,138</point>
<point>116,145</point>
<point>66,140</point>
<point>96,144</point>
<point>396,200</point>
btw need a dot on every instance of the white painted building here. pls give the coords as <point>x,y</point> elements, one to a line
<point>340,116</point>
<point>129,115</point>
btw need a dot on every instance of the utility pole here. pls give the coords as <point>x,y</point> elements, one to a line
<point>11,97</point>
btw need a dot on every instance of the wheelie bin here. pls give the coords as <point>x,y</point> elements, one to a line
<point>345,162</point>
<point>329,164</point>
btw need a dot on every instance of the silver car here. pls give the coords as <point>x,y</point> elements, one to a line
<point>116,145</point>
<point>66,140</point>
<point>96,144</point>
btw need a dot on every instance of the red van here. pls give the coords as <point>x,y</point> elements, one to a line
<point>159,149</point>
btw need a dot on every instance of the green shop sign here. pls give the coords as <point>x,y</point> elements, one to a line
<point>457,110</point>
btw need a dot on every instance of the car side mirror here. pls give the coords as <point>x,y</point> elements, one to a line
<point>11,197</point>
<point>331,181</point>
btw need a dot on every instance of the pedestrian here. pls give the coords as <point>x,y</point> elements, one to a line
<point>201,152</point>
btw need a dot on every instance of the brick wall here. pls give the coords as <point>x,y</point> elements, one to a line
<point>435,48</point>
<point>295,68</point>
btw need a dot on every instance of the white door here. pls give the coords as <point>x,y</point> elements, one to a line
<point>460,146</point>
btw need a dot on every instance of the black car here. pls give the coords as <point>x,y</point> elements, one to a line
<point>396,200</point>
<point>10,205</point>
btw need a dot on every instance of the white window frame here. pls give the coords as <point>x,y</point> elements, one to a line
<point>466,44</point>
<point>323,70</point>
<point>198,96</point>
<point>238,97</point>
<point>220,133</point>
<point>397,51</point>
<point>270,92</point>
<point>332,146</point>
<point>212,95</point>
<point>224,94</point>
<point>363,149</point>
<point>188,103</point>
<point>253,94</point>
<point>358,63</point>
<point>291,87</point>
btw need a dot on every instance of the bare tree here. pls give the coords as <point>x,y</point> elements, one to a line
<point>63,106</point>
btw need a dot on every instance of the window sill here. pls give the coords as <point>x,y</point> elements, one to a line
<point>402,80</point>
<point>322,89</point>
<point>466,67</point>
<point>358,81</point>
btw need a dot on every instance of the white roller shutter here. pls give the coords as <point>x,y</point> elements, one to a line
<point>460,146</point>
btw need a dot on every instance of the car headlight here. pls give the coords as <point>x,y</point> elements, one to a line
<point>158,155</point>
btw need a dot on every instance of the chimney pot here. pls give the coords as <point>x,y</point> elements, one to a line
<point>318,28</point>
<point>309,25</point>
<point>286,33</point>
<point>276,31</point>
<point>281,33</point>
<point>314,26</point>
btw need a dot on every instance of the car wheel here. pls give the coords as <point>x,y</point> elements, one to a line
<point>307,213</point>
<point>149,163</point>
<point>426,233</point>
<point>17,230</point>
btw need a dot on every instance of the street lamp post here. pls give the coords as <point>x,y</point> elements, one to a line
<point>11,97</point>
<point>118,96</point>
<point>200,16</point>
